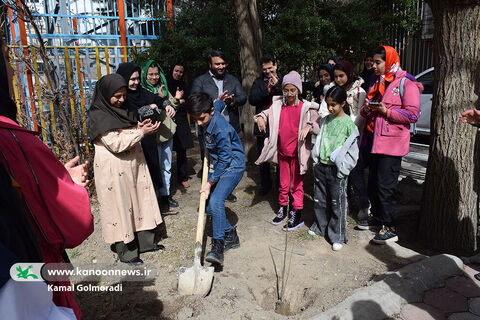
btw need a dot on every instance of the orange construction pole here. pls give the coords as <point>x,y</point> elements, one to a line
<point>23,37</point>
<point>170,13</point>
<point>122,27</point>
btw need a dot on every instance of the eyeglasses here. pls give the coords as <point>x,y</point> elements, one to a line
<point>290,91</point>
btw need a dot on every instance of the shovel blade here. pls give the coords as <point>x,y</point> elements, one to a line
<point>196,280</point>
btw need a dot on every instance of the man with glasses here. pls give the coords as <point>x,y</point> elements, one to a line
<point>261,94</point>
<point>219,84</point>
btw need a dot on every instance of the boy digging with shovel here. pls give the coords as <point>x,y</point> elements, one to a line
<point>228,163</point>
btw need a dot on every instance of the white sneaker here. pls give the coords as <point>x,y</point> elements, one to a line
<point>337,246</point>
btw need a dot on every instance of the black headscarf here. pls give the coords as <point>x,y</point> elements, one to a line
<point>102,116</point>
<point>367,74</point>
<point>140,97</point>
<point>8,108</point>
<point>174,84</point>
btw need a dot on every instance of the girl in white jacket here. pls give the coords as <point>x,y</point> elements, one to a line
<point>346,78</point>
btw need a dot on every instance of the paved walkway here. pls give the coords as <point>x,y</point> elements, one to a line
<point>458,299</point>
<point>438,287</point>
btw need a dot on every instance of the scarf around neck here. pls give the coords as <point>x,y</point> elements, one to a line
<point>392,65</point>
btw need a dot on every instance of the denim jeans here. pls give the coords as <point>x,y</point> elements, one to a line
<point>216,201</point>
<point>165,161</point>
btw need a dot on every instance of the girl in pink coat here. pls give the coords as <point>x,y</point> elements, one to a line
<point>290,123</point>
<point>393,102</point>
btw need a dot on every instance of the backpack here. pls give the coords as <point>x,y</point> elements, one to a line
<point>402,88</point>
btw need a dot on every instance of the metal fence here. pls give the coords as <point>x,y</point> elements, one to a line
<point>416,52</point>
<point>85,39</point>
<point>94,22</point>
<point>78,69</point>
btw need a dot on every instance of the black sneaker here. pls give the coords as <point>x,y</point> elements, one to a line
<point>231,240</point>
<point>232,198</point>
<point>215,255</point>
<point>369,224</point>
<point>295,221</point>
<point>385,236</point>
<point>172,203</point>
<point>281,216</point>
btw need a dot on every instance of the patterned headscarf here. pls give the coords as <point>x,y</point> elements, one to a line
<point>392,65</point>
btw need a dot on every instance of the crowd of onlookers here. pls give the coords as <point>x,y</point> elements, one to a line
<point>139,116</point>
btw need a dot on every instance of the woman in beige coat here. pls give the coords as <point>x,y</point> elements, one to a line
<point>128,207</point>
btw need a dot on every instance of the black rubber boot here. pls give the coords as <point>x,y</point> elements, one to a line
<point>231,240</point>
<point>215,256</point>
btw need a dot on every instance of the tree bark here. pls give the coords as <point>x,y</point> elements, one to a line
<point>448,218</point>
<point>250,43</point>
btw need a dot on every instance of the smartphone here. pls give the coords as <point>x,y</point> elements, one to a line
<point>374,103</point>
<point>477,276</point>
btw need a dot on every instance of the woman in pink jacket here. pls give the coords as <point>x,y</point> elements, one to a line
<point>391,105</point>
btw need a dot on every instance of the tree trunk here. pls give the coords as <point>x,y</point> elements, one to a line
<point>250,43</point>
<point>448,219</point>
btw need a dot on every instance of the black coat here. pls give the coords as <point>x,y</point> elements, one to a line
<point>182,139</point>
<point>183,136</point>
<point>316,91</point>
<point>260,97</point>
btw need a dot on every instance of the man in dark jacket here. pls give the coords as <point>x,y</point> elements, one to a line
<point>261,94</point>
<point>216,82</point>
<point>219,84</point>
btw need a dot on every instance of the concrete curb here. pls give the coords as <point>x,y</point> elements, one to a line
<point>386,297</point>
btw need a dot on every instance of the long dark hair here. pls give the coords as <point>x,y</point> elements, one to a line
<point>339,95</point>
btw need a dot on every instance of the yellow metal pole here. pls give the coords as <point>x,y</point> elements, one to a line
<point>82,97</point>
<point>107,60</point>
<point>39,93</point>
<point>15,89</point>
<point>67,66</point>
<point>97,59</point>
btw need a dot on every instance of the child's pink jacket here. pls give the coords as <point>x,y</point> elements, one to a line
<point>308,115</point>
<point>391,134</point>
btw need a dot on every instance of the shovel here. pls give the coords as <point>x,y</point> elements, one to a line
<point>197,279</point>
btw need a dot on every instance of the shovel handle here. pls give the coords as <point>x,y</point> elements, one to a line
<point>203,199</point>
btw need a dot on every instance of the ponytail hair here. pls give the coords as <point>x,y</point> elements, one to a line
<point>339,95</point>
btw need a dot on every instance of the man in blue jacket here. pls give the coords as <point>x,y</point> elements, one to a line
<point>228,160</point>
